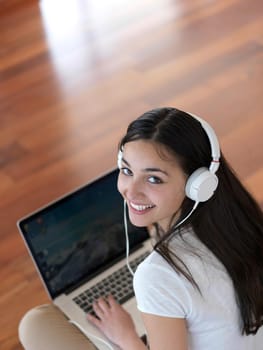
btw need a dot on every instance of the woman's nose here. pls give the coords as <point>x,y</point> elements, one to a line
<point>134,189</point>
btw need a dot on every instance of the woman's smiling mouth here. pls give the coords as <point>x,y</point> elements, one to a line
<point>141,208</point>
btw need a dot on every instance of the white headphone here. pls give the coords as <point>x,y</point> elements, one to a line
<point>203,182</point>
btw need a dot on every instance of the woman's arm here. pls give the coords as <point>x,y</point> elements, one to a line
<point>165,333</point>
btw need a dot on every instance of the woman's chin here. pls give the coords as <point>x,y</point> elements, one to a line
<point>138,222</point>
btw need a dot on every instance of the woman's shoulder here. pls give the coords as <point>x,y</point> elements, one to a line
<point>190,254</point>
<point>189,248</point>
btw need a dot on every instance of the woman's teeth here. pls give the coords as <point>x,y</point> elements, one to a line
<point>140,207</point>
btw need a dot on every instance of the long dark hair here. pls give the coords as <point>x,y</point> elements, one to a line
<point>230,223</point>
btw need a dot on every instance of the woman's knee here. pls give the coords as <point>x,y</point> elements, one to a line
<point>33,323</point>
<point>46,327</point>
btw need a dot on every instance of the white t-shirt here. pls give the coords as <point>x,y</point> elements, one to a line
<point>213,318</point>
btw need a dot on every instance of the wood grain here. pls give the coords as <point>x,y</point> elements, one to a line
<point>72,77</point>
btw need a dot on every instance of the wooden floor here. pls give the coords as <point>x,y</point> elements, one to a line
<point>73,76</point>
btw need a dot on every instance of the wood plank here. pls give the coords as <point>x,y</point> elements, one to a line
<point>68,89</point>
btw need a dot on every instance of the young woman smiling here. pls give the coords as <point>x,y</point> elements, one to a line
<point>201,287</point>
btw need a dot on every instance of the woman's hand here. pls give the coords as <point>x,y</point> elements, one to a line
<point>114,322</point>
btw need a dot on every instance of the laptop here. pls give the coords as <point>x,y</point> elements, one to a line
<point>78,246</point>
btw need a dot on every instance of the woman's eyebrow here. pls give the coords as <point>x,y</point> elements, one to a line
<point>156,170</point>
<point>147,169</point>
<point>125,161</point>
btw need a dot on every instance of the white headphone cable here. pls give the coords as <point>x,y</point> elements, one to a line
<point>127,239</point>
<point>188,215</point>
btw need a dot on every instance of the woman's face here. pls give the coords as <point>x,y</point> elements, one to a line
<point>153,187</point>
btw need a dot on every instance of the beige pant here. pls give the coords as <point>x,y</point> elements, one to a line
<point>46,328</point>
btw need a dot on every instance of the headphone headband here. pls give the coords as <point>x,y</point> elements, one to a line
<point>215,148</point>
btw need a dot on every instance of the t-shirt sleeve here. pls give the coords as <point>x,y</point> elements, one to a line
<point>161,291</point>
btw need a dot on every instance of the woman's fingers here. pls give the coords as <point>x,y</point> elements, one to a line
<point>111,301</point>
<point>93,319</point>
<point>100,308</point>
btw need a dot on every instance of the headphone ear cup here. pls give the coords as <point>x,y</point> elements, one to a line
<point>201,185</point>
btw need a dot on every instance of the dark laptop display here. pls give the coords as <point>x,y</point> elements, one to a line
<point>79,235</point>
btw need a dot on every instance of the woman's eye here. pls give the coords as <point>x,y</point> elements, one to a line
<point>155,180</point>
<point>126,171</point>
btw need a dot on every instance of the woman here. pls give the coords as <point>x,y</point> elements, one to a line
<point>201,288</point>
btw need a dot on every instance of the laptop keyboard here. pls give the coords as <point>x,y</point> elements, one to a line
<point>119,284</point>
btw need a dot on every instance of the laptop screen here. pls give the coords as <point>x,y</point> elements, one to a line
<point>79,235</point>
